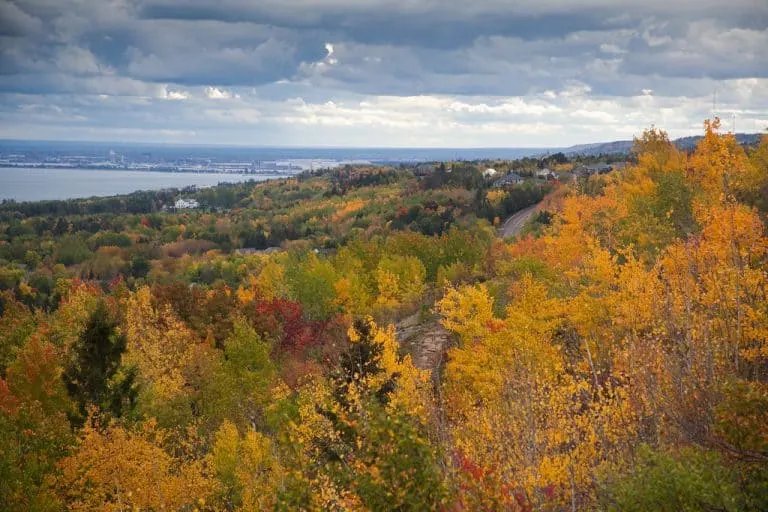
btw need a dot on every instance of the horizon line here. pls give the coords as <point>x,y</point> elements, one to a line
<point>292,146</point>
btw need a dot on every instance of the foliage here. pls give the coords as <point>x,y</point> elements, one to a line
<point>113,468</point>
<point>246,355</point>
<point>92,377</point>
<point>689,481</point>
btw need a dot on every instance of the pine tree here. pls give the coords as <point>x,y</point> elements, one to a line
<point>93,377</point>
<point>360,362</point>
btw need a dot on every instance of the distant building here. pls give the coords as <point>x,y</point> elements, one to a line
<point>182,204</point>
<point>590,170</point>
<point>508,180</point>
<point>424,169</point>
<point>489,173</point>
<point>545,174</point>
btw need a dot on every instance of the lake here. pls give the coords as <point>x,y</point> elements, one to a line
<point>26,184</point>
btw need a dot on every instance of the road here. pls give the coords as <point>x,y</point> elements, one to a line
<point>427,342</point>
<point>515,223</point>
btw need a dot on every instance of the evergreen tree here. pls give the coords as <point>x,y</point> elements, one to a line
<point>61,227</point>
<point>93,377</point>
<point>361,361</point>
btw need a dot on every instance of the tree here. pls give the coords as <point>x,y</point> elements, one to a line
<point>140,266</point>
<point>171,363</point>
<point>360,445</point>
<point>16,323</point>
<point>118,469</point>
<point>34,431</point>
<point>399,280</point>
<point>248,472</point>
<point>92,378</point>
<point>690,481</point>
<point>239,387</point>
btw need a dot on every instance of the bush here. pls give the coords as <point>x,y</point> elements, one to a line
<point>692,480</point>
<point>72,250</point>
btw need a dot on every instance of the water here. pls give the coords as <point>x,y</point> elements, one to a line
<point>26,184</point>
<point>170,153</point>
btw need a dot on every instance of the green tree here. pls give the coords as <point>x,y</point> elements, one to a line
<point>239,389</point>
<point>93,377</point>
<point>693,480</point>
<point>375,449</point>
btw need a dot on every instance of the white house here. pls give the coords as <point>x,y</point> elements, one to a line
<point>182,204</point>
<point>489,173</point>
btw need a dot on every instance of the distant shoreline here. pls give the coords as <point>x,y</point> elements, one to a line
<point>42,184</point>
<point>156,169</point>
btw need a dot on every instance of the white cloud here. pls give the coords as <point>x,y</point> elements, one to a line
<point>330,59</point>
<point>611,49</point>
<point>215,93</point>
<point>177,95</point>
<point>168,94</point>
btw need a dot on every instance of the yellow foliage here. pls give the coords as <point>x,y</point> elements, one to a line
<point>468,311</point>
<point>347,209</point>
<point>623,344</point>
<point>159,344</point>
<point>399,280</point>
<point>270,282</point>
<point>248,472</point>
<point>495,197</point>
<point>116,469</point>
<point>412,393</point>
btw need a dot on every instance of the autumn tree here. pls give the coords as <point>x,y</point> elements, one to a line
<point>114,469</point>
<point>247,469</point>
<point>363,449</point>
<point>34,431</point>
<point>239,387</point>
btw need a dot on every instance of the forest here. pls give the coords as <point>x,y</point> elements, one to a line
<point>250,355</point>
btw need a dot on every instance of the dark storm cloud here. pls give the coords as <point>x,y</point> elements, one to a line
<point>15,22</point>
<point>387,24</point>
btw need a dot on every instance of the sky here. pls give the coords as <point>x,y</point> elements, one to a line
<point>373,73</point>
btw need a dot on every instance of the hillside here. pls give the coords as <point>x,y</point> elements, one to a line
<point>625,146</point>
<point>367,338</point>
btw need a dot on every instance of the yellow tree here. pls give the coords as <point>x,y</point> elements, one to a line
<point>360,441</point>
<point>528,429</point>
<point>117,469</point>
<point>249,474</point>
<point>720,167</point>
<point>399,280</point>
<point>172,363</point>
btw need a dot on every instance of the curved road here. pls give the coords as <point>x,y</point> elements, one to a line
<point>515,222</point>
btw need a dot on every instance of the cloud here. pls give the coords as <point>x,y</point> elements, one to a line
<point>330,59</point>
<point>15,22</point>
<point>391,71</point>
<point>169,94</point>
<point>215,93</point>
